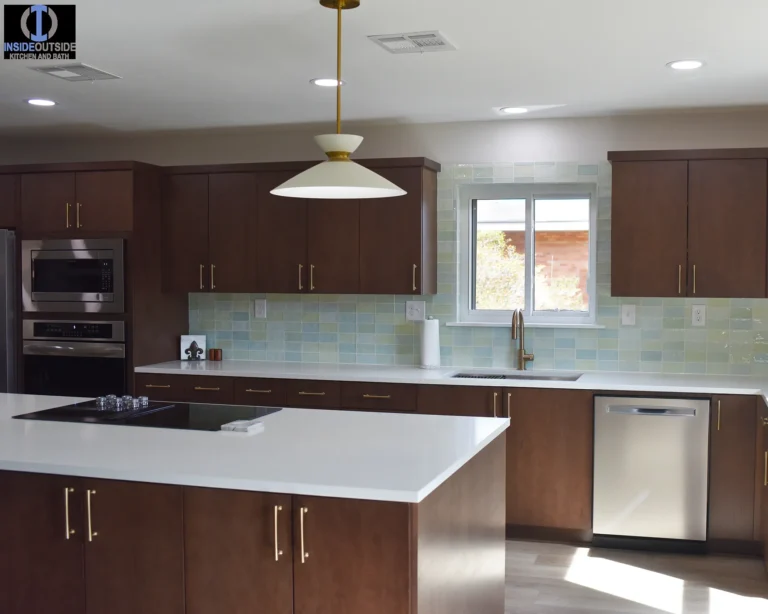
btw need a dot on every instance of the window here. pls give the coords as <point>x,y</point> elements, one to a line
<point>529,247</point>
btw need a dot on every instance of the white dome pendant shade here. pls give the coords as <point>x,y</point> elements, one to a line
<point>338,177</point>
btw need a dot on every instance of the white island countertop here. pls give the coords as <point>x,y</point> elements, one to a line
<point>598,381</point>
<point>355,455</point>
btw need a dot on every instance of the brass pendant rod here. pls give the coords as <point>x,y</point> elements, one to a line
<point>338,67</point>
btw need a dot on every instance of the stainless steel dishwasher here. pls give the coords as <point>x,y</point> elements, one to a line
<point>651,458</point>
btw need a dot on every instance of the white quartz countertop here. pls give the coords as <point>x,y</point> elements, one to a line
<point>605,381</point>
<point>357,455</point>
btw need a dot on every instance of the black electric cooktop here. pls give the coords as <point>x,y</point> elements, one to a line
<point>185,416</point>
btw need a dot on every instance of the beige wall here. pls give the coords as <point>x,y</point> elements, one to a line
<point>478,142</point>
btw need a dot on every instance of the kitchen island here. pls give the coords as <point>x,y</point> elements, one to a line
<point>322,512</point>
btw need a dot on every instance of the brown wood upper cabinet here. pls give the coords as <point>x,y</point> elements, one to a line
<point>74,203</point>
<point>209,230</point>
<point>732,469</point>
<point>692,228</point>
<point>9,202</point>
<point>398,247</point>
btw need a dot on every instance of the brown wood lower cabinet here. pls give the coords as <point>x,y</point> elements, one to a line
<point>259,391</point>
<point>318,394</point>
<point>733,434</point>
<point>475,401</point>
<point>185,388</point>
<point>549,463</point>
<point>123,554</point>
<point>378,396</point>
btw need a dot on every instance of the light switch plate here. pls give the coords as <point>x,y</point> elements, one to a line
<point>260,308</point>
<point>698,315</point>
<point>628,315</point>
<point>415,311</point>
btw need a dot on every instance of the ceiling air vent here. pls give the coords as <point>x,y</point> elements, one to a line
<point>413,42</point>
<point>75,72</point>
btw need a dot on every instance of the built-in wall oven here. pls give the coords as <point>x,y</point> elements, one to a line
<point>74,358</point>
<point>73,275</point>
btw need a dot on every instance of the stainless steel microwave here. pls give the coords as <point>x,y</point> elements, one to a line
<point>73,275</point>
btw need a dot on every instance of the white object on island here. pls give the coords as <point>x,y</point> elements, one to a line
<point>430,344</point>
<point>248,427</point>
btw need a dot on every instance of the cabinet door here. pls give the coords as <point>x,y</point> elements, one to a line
<point>41,562</point>
<point>333,246</point>
<point>134,561</point>
<point>232,217</point>
<point>732,468</point>
<point>649,221</point>
<point>185,233</point>
<point>238,552</point>
<point>480,402</point>
<point>391,237</point>
<point>282,238</point>
<point>378,396</point>
<point>162,387</point>
<point>350,556</point>
<point>726,228</point>
<point>48,202</point>
<point>104,201</point>
<point>9,209</point>
<point>313,393</point>
<point>259,391</point>
<point>549,459</point>
<point>208,389</point>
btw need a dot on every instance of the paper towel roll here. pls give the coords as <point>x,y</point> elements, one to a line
<point>430,344</point>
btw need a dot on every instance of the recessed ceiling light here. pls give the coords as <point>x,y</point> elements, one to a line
<point>41,102</point>
<point>513,110</point>
<point>326,82</point>
<point>685,64</point>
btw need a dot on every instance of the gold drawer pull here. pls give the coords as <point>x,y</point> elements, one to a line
<point>718,415</point>
<point>765,471</point>
<point>415,267</point>
<point>91,532</point>
<point>495,398</point>
<point>69,531</point>
<point>156,386</point>
<point>311,394</point>
<point>509,405</point>
<point>377,396</point>
<point>67,210</point>
<point>201,276</point>
<point>259,391</point>
<point>278,552</point>
<point>207,389</point>
<point>77,216</point>
<point>679,278</point>
<point>304,553</point>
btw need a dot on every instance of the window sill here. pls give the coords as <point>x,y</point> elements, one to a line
<point>509,325</point>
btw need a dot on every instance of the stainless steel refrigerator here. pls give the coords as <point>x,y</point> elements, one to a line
<point>8,313</point>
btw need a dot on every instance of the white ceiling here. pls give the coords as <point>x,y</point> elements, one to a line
<point>200,64</point>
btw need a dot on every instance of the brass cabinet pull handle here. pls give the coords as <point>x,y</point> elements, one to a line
<point>679,278</point>
<point>765,471</point>
<point>414,277</point>
<point>278,552</point>
<point>202,266</point>
<point>302,512</point>
<point>66,209</point>
<point>213,270</point>
<point>77,216</point>
<point>765,421</point>
<point>156,386</point>
<point>312,394</point>
<point>377,396</point>
<point>694,279</point>
<point>509,405</point>
<point>209,389</point>
<point>495,398</point>
<point>311,276</point>
<point>259,391</point>
<point>301,286</point>
<point>91,532</point>
<point>718,415</point>
<point>66,511</point>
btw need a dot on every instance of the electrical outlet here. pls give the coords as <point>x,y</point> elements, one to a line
<point>415,311</point>
<point>628,315</point>
<point>260,308</point>
<point>698,315</point>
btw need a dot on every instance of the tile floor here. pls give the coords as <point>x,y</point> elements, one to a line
<point>545,578</point>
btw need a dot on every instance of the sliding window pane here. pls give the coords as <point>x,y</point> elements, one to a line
<point>561,248</point>
<point>499,254</point>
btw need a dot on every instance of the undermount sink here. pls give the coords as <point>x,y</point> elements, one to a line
<point>569,377</point>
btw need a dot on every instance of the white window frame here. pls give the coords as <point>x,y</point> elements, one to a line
<point>469,193</point>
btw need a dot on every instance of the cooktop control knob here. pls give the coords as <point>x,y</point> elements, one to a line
<point>144,401</point>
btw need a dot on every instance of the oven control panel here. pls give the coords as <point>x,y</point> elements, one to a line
<point>82,331</point>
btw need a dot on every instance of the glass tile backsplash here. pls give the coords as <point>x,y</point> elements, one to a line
<point>373,330</point>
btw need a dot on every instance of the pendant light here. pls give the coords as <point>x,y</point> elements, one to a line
<point>338,177</point>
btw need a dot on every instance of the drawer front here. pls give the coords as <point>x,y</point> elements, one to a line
<point>162,387</point>
<point>383,397</point>
<point>313,393</point>
<point>202,389</point>
<point>258,391</point>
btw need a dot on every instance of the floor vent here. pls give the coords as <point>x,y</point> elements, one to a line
<point>75,72</point>
<point>413,42</point>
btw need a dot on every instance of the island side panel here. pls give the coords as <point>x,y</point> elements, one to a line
<point>461,558</point>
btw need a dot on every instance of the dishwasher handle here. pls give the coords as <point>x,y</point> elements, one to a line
<point>637,410</point>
